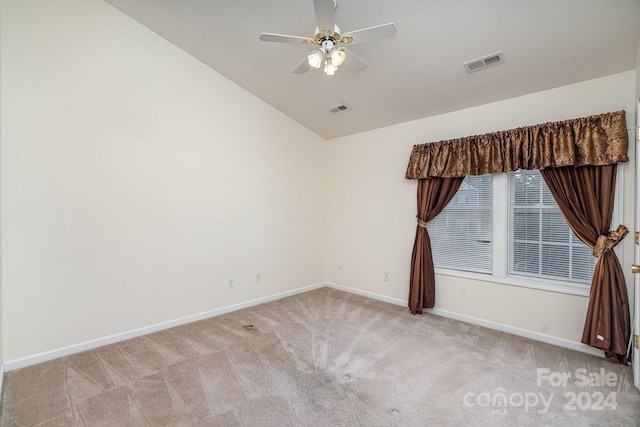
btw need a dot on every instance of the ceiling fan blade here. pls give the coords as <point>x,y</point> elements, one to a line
<point>353,62</point>
<point>282,38</point>
<point>372,33</point>
<point>303,67</point>
<point>325,13</point>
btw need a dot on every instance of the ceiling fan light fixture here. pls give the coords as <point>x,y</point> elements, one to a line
<point>315,58</point>
<point>337,55</point>
<point>327,36</point>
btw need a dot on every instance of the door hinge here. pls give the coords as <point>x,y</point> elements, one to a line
<point>636,340</point>
<point>637,237</point>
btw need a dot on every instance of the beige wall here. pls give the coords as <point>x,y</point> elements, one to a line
<point>136,180</point>
<point>371,210</point>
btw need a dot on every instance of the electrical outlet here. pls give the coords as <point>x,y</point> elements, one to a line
<point>385,276</point>
<point>231,282</point>
<point>258,277</point>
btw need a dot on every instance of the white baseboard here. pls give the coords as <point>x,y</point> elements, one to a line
<point>394,301</point>
<point>537,336</point>
<point>23,362</point>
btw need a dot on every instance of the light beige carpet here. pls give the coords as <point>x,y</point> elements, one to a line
<point>323,358</point>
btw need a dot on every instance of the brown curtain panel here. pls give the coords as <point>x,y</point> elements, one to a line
<point>585,196</point>
<point>433,195</point>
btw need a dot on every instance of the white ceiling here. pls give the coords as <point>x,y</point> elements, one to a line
<point>418,73</point>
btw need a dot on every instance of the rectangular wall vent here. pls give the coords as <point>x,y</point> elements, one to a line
<point>484,62</point>
<point>339,108</point>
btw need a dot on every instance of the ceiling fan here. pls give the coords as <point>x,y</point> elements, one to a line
<point>328,37</point>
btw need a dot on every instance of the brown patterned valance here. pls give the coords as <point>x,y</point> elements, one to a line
<point>594,140</point>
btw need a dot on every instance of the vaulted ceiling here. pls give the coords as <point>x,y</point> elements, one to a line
<point>416,74</point>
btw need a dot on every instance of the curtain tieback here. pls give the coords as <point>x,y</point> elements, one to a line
<point>421,223</point>
<point>608,242</point>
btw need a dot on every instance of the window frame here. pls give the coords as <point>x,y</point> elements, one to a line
<point>539,210</point>
<point>500,252</point>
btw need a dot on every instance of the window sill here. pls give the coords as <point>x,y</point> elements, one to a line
<point>539,284</point>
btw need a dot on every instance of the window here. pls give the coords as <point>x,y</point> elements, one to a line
<point>508,228</point>
<point>541,242</point>
<point>461,234</point>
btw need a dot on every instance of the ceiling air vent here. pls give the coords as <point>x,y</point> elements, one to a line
<point>339,108</point>
<point>484,62</point>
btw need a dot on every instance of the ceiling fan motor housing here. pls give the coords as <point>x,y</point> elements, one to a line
<point>322,35</point>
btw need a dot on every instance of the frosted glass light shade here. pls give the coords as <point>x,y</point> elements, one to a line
<point>315,58</point>
<point>330,68</point>
<point>337,56</point>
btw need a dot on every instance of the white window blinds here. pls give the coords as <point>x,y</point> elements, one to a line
<point>461,234</point>
<point>541,244</point>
